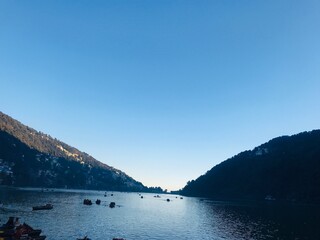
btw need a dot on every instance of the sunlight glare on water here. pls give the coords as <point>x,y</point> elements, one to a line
<point>155,218</point>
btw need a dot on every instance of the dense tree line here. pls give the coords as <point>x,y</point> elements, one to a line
<point>285,168</point>
<point>38,160</point>
<point>45,143</point>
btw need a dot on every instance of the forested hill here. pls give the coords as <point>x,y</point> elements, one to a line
<point>32,158</point>
<point>285,168</point>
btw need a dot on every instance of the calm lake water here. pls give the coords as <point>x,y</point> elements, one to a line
<point>155,218</point>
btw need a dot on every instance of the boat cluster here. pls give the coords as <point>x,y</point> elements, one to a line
<point>13,230</point>
<point>98,202</point>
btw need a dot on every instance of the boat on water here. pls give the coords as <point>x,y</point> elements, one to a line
<point>13,230</point>
<point>87,202</point>
<point>85,238</point>
<point>44,207</point>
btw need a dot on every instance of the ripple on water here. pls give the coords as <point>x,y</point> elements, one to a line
<point>155,218</point>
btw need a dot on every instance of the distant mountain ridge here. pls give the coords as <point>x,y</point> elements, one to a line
<point>285,168</point>
<point>32,158</point>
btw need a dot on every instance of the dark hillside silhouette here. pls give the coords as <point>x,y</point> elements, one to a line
<point>285,168</point>
<point>32,158</point>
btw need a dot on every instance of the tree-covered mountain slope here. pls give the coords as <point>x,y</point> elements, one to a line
<point>32,158</point>
<point>285,168</point>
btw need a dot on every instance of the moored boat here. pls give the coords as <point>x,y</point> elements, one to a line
<point>13,230</point>
<point>85,238</point>
<point>44,207</point>
<point>87,202</point>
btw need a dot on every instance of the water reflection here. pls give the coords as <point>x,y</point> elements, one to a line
<point>262,220</point>
<point>155,218</point>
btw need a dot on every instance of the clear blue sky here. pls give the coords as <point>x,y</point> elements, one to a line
<point>163,90</point>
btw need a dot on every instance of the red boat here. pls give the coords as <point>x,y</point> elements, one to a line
<point>13,230</point>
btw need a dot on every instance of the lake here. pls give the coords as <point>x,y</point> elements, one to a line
<point>156,218</point>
